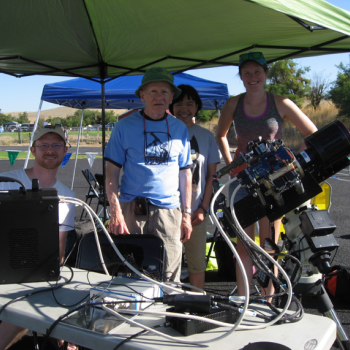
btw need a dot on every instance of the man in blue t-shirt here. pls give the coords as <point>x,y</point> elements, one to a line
<point>155,192</point>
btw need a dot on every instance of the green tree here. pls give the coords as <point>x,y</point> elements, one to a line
<point>54,120</point>
<point>339,93</point>
<point>90,117</point>
<point>111,117</point>
<point>286,79</point>
<point>318,89</point>
<point>4,118</point>
<point>49,120</point>
<point>72,121</point>
<point>23,118</point>
<point>206,116</point>
<point>41,121</point>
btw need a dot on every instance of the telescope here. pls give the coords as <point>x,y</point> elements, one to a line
<point>281,184</point>
<point>278,181</point>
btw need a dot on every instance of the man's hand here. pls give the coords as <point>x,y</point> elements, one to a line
<point>198,217</point>
<point>117,225</point>
<point>186,227</point>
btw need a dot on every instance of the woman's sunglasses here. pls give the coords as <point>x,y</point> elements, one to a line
<point>251,55</point>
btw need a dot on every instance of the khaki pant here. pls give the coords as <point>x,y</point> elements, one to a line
<point>195,248</point>
<point>163,223</point>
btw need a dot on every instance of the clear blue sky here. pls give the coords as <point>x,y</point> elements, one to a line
<point>19,95</point>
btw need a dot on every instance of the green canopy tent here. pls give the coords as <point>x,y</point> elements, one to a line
<point>101,40</point>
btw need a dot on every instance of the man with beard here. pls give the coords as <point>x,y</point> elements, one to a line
<point>49,148</point>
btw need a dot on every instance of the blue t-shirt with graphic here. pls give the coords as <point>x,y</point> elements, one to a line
<point>151,152</point>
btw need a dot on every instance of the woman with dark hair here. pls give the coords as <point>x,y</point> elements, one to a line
<point>205,156</point>
<point>256,113</point>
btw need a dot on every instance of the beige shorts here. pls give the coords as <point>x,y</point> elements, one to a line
<point>163,223</point>
<point>195,248</point>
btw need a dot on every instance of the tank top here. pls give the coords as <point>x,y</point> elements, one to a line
<point>268,126</point>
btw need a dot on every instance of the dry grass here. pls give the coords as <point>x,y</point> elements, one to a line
<point>212,125</point>
<point>326,113</point>
<point>6,140</point>
<point>87,140</point>
<point>322,116</point>
<point>92,139</point>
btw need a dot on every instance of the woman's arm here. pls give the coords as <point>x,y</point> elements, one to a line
<point>289,110</point>
<point>199,214</point>
<point>224,124</point>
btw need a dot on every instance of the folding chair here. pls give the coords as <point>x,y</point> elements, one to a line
<point>101,182</point>
<point>93,191</point>
<point>144,252</point>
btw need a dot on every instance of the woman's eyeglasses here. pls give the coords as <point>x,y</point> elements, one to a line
<point>45,146</point>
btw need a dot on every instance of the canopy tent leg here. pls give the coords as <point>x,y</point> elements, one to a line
<point>77,151</point>
<point>103,92</point>
<point>31,139</point>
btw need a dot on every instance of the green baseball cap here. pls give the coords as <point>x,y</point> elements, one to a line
<point>158,74</point>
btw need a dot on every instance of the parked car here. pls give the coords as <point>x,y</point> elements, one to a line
<point>110,125</point>
<point>25,127</point>
<point>12,128</point>
<point>31,127</point>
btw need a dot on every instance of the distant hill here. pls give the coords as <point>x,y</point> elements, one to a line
<point>61,112</point>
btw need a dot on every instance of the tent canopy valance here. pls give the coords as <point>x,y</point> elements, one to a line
<point>120,93</point>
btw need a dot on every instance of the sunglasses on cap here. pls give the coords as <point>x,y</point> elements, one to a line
<point>255,56</point>
<point>50,126</point>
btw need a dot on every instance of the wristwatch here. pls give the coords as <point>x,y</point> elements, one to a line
<point>187,210</point>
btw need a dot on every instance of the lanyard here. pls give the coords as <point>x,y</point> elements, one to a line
<point>144,122</point>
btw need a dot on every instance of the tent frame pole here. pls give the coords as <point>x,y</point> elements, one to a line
<point>31,138</point>
<point>77,150</point>
<point>103,95</point>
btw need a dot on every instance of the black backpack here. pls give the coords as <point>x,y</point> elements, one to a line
<point>337,284</point>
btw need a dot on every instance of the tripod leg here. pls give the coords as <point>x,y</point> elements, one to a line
<point>234,290</point>
<point>342,338</point>
<point>325,307</point>
<point>216,232</point>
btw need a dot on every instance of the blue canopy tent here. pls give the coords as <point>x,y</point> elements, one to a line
<point>120,94</point>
